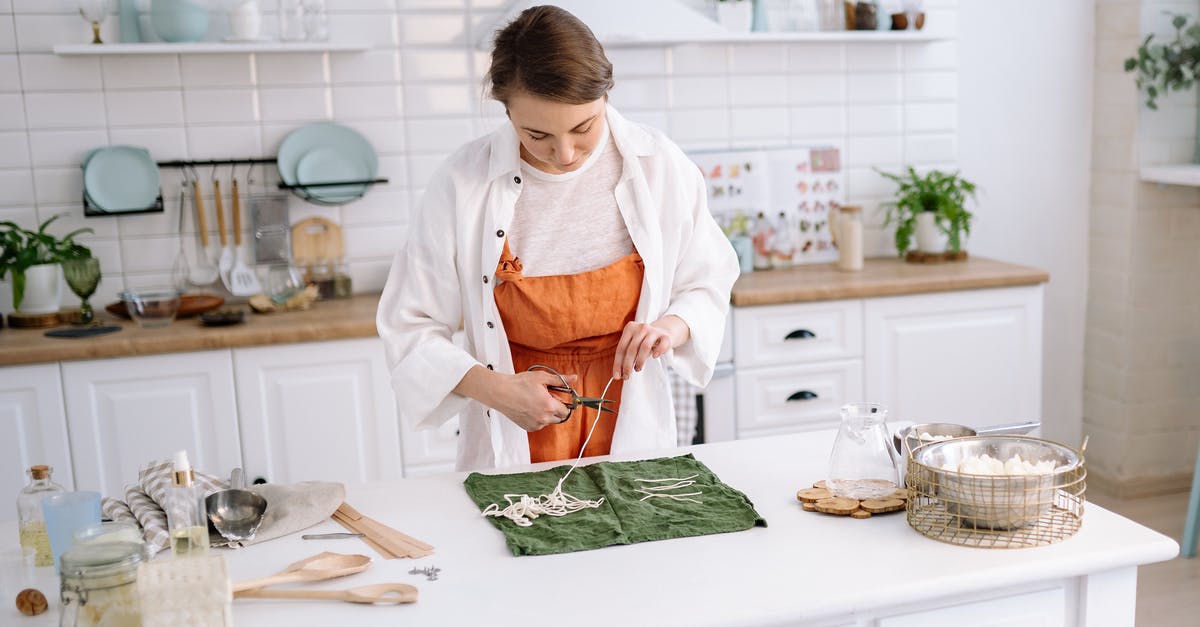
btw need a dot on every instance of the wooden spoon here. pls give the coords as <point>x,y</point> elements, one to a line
<point>322,566</point>
<point>388,593</point>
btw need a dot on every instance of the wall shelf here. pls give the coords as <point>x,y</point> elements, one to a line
<point>1183,174</point>
<point>208,47</point>
<point>850,36</point>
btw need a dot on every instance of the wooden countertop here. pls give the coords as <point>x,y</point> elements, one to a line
<point>355,317</point>
<point>327,320</point>
<point>884,276</point>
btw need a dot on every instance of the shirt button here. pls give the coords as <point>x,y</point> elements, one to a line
<point>517,180</point>
<point>500,233</point>
<point>485,279</point>
<point>490,325</point>
<point>490,367</point>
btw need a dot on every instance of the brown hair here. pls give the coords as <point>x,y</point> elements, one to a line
<point>548,52</point>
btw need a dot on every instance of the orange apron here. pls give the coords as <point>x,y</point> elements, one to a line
<point>572,323</point>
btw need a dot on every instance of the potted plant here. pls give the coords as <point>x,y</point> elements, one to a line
<point>1171,66</point>
<point>931,206</point>
<point>32,257</point>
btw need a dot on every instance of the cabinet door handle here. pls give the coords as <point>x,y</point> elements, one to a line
<point>800,334</point>
<point>802,395</point>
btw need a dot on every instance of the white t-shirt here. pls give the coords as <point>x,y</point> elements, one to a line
<point>569,223</point>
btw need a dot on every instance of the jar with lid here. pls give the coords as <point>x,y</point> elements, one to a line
<point>99,585</point>
<point>342,285</point>
<point>863,464</point>
<point>31,523</point>
<point>320,274</point>
<point>847,230</point>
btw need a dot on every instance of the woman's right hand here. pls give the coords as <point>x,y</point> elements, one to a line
<point>523,397</point>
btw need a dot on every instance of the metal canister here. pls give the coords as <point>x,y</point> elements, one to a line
<point>99,585</point>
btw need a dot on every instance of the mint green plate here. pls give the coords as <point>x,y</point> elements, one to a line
<point>325,135</point>
<point>329,165</point>
<point>121,178</point>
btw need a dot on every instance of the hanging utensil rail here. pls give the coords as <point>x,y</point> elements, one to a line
<point>184,163</point>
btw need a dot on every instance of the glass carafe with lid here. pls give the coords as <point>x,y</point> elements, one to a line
<point>31,523</point>
<point>863,464</point>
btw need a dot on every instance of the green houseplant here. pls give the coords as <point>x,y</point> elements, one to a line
<point>927,205</point>
<point>1171,66</point>
<point>23,251</point>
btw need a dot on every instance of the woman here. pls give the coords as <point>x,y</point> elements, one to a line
<point>570,238</point>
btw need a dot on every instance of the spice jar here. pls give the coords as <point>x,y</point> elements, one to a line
<point>848,235</point>
<point>99,585</point>
<point>341,279</point>
<point>866,15</point>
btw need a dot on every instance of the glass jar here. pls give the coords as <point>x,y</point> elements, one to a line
<point>848,235</point>
<point>283,282</point>
<point>316,20</point>
<point>291,20</point>
<point>31,522</point>
<point>99,585</point>
<point>863,464</point>
<point>342,284</point>
<point>320,273</point>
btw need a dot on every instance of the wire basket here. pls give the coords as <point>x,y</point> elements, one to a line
<point>995,511</point>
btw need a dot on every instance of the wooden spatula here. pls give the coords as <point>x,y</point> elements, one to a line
<point>316,568</point>
<point>387,593</point>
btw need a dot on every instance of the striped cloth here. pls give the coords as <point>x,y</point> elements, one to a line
<point>143,504</point>
<point>686,413</point>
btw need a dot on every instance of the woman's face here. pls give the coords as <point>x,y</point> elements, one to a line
<point>556,137</point>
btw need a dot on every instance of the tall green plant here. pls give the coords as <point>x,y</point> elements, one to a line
<point>1166,67</point>
<point>21,249</point>
<point>944,194</point>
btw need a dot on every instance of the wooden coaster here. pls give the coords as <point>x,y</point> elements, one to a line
<point>916,256</point>
<point>820,499</point>
<point>18,320</point>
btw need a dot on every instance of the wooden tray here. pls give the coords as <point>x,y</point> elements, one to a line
<point>819,499</point>
<point>18,320</point>
<point>189,305</point>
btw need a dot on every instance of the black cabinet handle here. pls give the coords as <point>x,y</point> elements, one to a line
<point>800,334</point>
<point>802,395</point>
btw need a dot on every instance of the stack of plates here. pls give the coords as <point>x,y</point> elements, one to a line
<point>120,179</point>
<point>324,152</point>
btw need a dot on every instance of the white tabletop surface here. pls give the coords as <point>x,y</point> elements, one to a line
<point>802,566</point>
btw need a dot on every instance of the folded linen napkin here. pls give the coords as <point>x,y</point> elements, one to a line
<point>290,507</point>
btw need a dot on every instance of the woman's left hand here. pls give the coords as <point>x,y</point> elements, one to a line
<point>641,341</point>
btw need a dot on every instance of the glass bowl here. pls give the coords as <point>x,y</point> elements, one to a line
<point>152,307</point>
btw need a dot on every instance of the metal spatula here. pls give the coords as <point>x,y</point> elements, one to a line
<point>242,280</point>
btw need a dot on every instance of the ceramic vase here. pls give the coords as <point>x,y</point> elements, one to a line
<point>736,15</point>
<point>930,239</point>
<point>43,289</point>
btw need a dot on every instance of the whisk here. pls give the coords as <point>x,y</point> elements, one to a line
<point>181,270</point>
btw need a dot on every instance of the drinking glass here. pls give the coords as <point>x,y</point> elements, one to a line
<point>94,11</point>
<point>67,513</point>
<point>83,276</point>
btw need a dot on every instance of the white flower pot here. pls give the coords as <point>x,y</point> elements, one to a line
<point>43,289</point>
<point>736,15</point>
<point>930,239</point>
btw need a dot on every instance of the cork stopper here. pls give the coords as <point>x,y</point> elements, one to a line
<point>850,208</point>
<point>40,471</point>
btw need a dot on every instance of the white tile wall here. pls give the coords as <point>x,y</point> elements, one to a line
<point>1142,306</point>
<point>417,95</point>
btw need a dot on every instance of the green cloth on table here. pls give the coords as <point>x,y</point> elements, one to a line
<point>623,518</point>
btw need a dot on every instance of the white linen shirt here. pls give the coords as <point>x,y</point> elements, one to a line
<point>444,276</point>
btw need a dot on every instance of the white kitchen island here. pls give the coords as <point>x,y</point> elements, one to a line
<point>804,568</point>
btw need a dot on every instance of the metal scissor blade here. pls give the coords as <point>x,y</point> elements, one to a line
<point>596,404</point>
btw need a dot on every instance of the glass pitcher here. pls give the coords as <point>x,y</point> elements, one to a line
<point>863,464</point>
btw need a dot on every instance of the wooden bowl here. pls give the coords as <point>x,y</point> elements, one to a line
<point>189,305</point>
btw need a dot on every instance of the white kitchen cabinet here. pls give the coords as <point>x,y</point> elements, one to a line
<point>1043,608</point>
<point>319,410</point>
<point>972,358</point>
<point>125,412</point>
<point>34,425</point>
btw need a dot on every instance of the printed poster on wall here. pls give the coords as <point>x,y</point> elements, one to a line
<point>793,189</point>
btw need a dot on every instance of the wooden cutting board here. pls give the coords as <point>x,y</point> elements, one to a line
<point>317,238</point>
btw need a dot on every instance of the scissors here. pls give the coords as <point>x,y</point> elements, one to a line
<point>576,400</point>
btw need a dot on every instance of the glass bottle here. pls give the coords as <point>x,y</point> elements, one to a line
<point>187,518</point>
<point>291,20</point>
<point>31,523</point>
<point>863,464</point>
<point>316,20</point>
<point>99,585</point>
<point>764,233</point>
